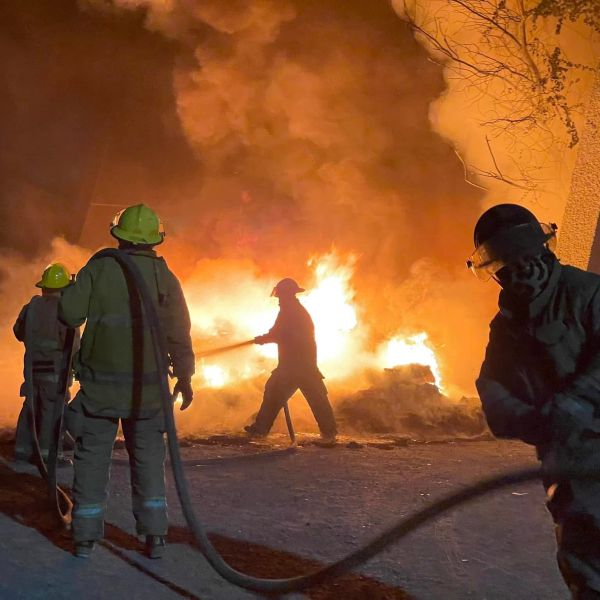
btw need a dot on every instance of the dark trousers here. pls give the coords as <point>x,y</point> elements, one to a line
<point>281,387</point>
<point>575,507</point>
<point>94,440</point>
<point>45,399</point>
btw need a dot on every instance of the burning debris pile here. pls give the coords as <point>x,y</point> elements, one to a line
<point>406,400</point>
<point>399,374</point>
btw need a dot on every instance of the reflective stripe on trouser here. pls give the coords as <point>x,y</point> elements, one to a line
<point>280,388</point>
<point>575,507</point>
<point>144,439</point>
<point>45,396</point>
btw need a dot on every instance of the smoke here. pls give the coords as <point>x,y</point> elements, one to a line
<point>514,107</point>
<point>266,133</point>
<point>17,278</point>
<point>311,123</point>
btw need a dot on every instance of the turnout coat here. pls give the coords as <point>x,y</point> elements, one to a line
<point>116,365</point>
<point>540,380</point>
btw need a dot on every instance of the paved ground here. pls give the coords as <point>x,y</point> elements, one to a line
<point>281,516</point>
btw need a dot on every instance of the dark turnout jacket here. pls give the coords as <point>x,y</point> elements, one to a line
<point>294,334</point>
<point>46,345</point>
<point>548,355</point>
<point>116,365</point>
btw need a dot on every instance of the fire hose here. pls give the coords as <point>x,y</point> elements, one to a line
<point>59,498</point>
<point>352,560</point>
<point>286,408</point>
<point>207,462</point>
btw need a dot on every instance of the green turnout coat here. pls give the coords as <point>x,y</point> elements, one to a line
<point>116,365</point>
<point>548,357</point>
<point>48,335</point>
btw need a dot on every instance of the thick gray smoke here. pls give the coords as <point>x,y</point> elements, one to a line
<point>269,130</point>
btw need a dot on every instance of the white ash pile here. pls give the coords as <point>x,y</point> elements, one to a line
<point>405,400</point>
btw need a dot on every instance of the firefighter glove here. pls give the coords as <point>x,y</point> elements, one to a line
<point>184,387</point>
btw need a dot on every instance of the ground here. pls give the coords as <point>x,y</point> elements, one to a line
<point>287,514</point>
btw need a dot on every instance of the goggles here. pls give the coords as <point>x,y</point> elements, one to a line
<point>509,245</point>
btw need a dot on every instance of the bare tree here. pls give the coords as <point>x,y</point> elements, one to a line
<point>513,52</point>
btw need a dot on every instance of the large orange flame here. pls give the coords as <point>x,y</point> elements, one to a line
<point>238,307</point>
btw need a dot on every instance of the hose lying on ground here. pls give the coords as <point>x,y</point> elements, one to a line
<point>352,560</point>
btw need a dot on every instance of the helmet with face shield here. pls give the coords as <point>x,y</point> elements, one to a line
<point>504,234</point>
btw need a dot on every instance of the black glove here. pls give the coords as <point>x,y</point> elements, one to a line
<point>184,387</point>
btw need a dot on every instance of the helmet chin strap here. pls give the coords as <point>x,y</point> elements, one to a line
<point>526,278</point>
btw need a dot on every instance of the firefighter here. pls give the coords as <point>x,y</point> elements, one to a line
<point>540,380</point>
<point>46,343</point>
<point>119,381</point>
<point>294,334</point>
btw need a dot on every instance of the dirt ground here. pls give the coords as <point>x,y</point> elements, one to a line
<point>287,514</point>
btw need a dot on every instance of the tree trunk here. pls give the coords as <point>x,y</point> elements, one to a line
<point>579,237</point>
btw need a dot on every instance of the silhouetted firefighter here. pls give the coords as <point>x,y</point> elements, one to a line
<point>540,381</point>
<point>294,334</point>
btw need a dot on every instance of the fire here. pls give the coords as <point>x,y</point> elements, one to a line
<point>229,303</point>
<point>330,305</point>
<point>213,376</point>
<point>414,349</point>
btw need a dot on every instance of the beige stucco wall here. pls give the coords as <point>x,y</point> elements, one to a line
<point>580,221</point>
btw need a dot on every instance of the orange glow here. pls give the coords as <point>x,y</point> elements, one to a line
<point>230,303</point>
<point>414,349</point>
<point>213,376</point>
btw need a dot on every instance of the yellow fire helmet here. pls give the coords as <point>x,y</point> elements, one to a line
<point>138,224</point>
<point>55,277</point>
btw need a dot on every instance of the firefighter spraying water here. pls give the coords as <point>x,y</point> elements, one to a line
<point>294,334</point>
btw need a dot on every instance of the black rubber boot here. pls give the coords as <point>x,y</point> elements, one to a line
<point>84,549</point>
<point>155,546</point>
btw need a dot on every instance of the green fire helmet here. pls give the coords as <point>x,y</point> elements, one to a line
<point>55,277</point>
<point>138,224</point>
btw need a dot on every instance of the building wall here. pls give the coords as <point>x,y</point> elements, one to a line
<point>579,238</point>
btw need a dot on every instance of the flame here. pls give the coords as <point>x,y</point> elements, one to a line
<point>415,350</point>
<point>213,376</point>
<point>230,304</point>
<point>330,305</point>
